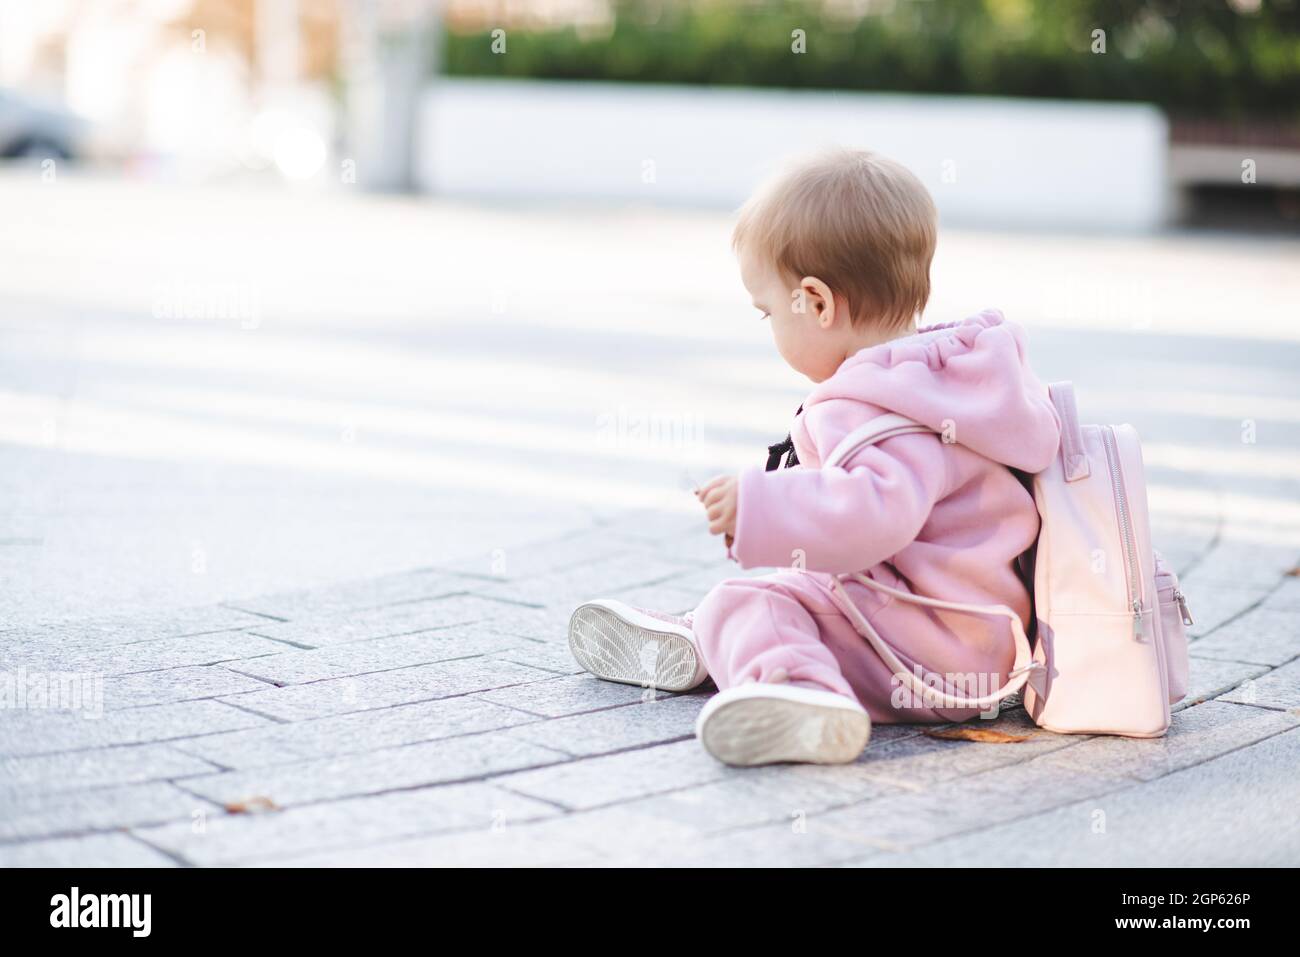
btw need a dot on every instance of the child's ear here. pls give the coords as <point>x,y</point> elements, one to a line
<point>820,300</point>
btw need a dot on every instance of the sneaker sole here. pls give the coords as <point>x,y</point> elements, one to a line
<point>761,730</point>
<point>625,646</point>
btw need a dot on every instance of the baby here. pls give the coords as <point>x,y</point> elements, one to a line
<point>836,255</point>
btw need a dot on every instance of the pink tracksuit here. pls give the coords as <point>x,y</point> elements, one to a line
<point>937,516</point>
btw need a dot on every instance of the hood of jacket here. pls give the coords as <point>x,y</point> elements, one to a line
<point>969,379</point>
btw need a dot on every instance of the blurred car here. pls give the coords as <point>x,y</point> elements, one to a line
<point>32,129</point>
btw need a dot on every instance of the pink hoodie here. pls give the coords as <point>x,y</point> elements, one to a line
<point>945,515</point>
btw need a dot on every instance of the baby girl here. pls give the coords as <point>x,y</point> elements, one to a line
<point>836,255</point>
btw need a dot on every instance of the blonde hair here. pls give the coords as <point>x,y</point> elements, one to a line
<point>859,222</point>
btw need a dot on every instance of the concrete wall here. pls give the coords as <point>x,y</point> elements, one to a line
<point>988,161</point>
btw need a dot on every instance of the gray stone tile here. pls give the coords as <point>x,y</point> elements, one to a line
<point>558,697</point>
<point>42,815</point>
<point>353,733</point>
<point>403,619</point>
<point>1212,604</point>
<point>350,823</point>
<point>603,579</point>
<point>616,729</point>
<point>552,656</point>
<point>1279,688</point>
<point>1192,818</point>
<point>1286,596</point>
<point>1181,542</point>
<point>791,844</point>
<point>387,688</point>
<point>125,629</point>
<point>593,782</point>
<point>76,770</point>
<point>662,597</point>
<point>1258,637</point>
<point>1209,677</point>
<point>47,732</point>
<point>1249,563</point>
<point>92,850</point>
<point>918,761</point>
<point>1195,734</point>
<point>352,596</point>
<point>379,654</point>
<point>387,769</point>
<point>611,832</point>
<point>539,558</point>
<point>155,655</point>
<point>548,625</point>
<point>750,797</point>
<point>511,846</point>
<point>961,805</point>
<point>695,583</point>
<point>654,525</point>
<point>173,685</point>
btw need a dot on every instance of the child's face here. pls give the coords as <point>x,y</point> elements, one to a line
<point>809,334</point>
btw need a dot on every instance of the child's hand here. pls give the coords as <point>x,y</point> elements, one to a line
<point>718,496</point>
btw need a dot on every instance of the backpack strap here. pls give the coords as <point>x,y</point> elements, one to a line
<point>1021,669</point>
<point>1074,459</point>
<point>877,430</point>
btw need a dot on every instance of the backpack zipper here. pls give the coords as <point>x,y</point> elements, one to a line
<point>1182,607</point>
<point>1126,530</point>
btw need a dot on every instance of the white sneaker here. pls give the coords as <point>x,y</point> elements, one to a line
<point>617,642</point>
<point>772,723</point>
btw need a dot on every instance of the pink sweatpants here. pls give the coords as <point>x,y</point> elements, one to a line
<point>785,627</point>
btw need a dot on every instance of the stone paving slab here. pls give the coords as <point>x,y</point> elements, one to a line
<point>399,619</point>
<point>507,847</point>
<point>155,655</point>
<point>1209,678</point>
<point>1195,734</point>
<point>1213,604</point>
<point>590,783</point>
<point>1135,826</point>
<point>385,689</point>
<point>172,685</point>
<point>568,586</point>
<point>562,696</point>
<point>78,770</point>
<point>126,629</point>
<point>280,743</point>
<point>23,817</point>
<point>106,850</point>
<point>352,596</point>
<point>37,732</point>
<point>1285,596</point>
<point>1262,636</point>
<point>655,721</point>
<point>386,769</point>
<point>552,656</point>
<point>439,718</point>
<point>1276,689</point>
<point>379,654</point>
<point>354,822</point>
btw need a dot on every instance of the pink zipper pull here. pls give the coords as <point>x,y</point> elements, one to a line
<point>1182,607</point>
<point>1137,619</point>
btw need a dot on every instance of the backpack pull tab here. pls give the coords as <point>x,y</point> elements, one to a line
<point>1137,619</point>
<point>1182,606</point>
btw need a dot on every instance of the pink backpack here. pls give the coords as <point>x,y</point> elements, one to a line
<point>1111,649</point>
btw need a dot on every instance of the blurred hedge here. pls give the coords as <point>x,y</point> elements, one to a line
<point>1200,58</point>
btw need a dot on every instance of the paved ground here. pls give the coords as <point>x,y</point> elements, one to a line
<point>323,564</point>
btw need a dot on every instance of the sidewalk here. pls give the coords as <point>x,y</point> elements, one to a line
<point>324,563</point>
<point>435,717</point>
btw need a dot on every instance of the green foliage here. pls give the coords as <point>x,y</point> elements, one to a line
<point>1192,57</point>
